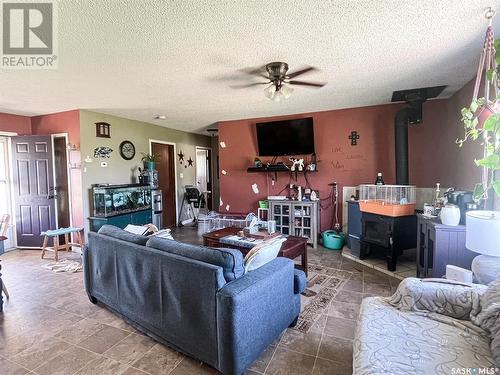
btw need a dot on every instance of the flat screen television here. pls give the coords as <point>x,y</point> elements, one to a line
<point>287,137</point>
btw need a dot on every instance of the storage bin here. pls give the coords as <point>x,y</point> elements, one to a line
<point>214,221</point>
<point>263,204</point>
<point>333,240</point>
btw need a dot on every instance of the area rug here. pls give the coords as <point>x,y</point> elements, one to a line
<point>323,284</point>
<point>64,265</point>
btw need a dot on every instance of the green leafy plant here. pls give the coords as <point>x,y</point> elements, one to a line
<point>487,133</point>
<point>152,158</point>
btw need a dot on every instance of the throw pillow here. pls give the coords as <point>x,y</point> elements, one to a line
<point>489,317</point>
<point>438,296</point>
<point>262,253</point>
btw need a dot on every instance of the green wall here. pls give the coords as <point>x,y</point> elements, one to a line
<point>120,171</point>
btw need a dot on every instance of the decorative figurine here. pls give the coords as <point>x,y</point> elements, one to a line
<point>297,164</point>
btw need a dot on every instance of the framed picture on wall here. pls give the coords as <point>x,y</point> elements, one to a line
<point>102,130</point>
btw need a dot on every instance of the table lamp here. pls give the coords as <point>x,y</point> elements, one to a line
<point>482,235</point>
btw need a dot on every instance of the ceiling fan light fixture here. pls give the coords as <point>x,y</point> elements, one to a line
<point>278,96</point>
<point>270,91</point>
<point>286,90</point>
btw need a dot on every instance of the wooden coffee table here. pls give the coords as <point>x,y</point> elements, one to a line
<point>292,248</point>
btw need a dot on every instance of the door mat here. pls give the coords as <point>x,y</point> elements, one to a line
<point>323,284</point>
<point>64,265</point>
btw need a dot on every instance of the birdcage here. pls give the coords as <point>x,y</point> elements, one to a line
<point>388,200</point>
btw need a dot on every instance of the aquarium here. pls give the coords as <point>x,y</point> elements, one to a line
<point>111,200</point>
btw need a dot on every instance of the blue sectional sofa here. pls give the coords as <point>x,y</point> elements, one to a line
<point>195,299</point>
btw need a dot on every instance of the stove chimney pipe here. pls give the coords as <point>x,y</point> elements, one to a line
<point>401,143</point>
<point>412,114</point>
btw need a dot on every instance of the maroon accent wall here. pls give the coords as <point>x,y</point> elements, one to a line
<point>15,124</point>
<point>434,156</point>
<point>62,122</point>
<point>65,122</point>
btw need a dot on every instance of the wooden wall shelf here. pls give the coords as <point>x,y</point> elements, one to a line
<point>275,169</point>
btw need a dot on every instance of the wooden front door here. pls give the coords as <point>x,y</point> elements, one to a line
<point>166,181</point>
<point>33,184</point>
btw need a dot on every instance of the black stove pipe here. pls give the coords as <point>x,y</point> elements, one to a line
<point>401,123</point>
<point>412,114</point>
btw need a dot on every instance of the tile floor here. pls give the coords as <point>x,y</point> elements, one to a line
<point>406,266</point>
<point>49,327</point>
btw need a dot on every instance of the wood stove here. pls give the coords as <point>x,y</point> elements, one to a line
<point>389,234</point>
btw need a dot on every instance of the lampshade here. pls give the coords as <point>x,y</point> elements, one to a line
<point>482,233</point>
<point>278,95</point>
<point>270,91</point>
<point>286,91</point>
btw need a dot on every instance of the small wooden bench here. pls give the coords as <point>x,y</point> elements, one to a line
<point>67,243</point>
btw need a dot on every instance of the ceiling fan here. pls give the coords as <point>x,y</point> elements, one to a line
<point>279,80</point>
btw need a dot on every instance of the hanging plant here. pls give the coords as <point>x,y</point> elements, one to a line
<point>488,135</point>
<point>482,122</point>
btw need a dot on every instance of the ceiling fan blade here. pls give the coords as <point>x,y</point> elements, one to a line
<point>312,84</point>
<point>260,72</point>
<point>248,85</point>
<point>299,72</point>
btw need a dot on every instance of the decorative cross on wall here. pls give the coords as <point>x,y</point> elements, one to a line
<point>354,138</point>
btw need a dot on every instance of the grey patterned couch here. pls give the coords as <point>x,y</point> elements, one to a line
<point>429,327</point>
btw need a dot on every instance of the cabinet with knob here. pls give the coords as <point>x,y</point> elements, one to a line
<point>439,245</point>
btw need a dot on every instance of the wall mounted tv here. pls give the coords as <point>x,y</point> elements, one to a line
<point>287,137</point>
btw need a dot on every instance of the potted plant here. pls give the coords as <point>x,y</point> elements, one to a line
<point>150,160</point>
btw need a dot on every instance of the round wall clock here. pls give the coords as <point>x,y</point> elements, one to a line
<point>127,150</point>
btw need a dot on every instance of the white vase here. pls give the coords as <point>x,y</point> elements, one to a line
<point>450,215</point>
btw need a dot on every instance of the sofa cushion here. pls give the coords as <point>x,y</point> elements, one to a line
<point>489,317</point>
<point>230,260</point>
<point>393,341</point>
<point>120,234</point>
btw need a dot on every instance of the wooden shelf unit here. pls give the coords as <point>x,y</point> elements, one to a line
<point>296,218</point>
